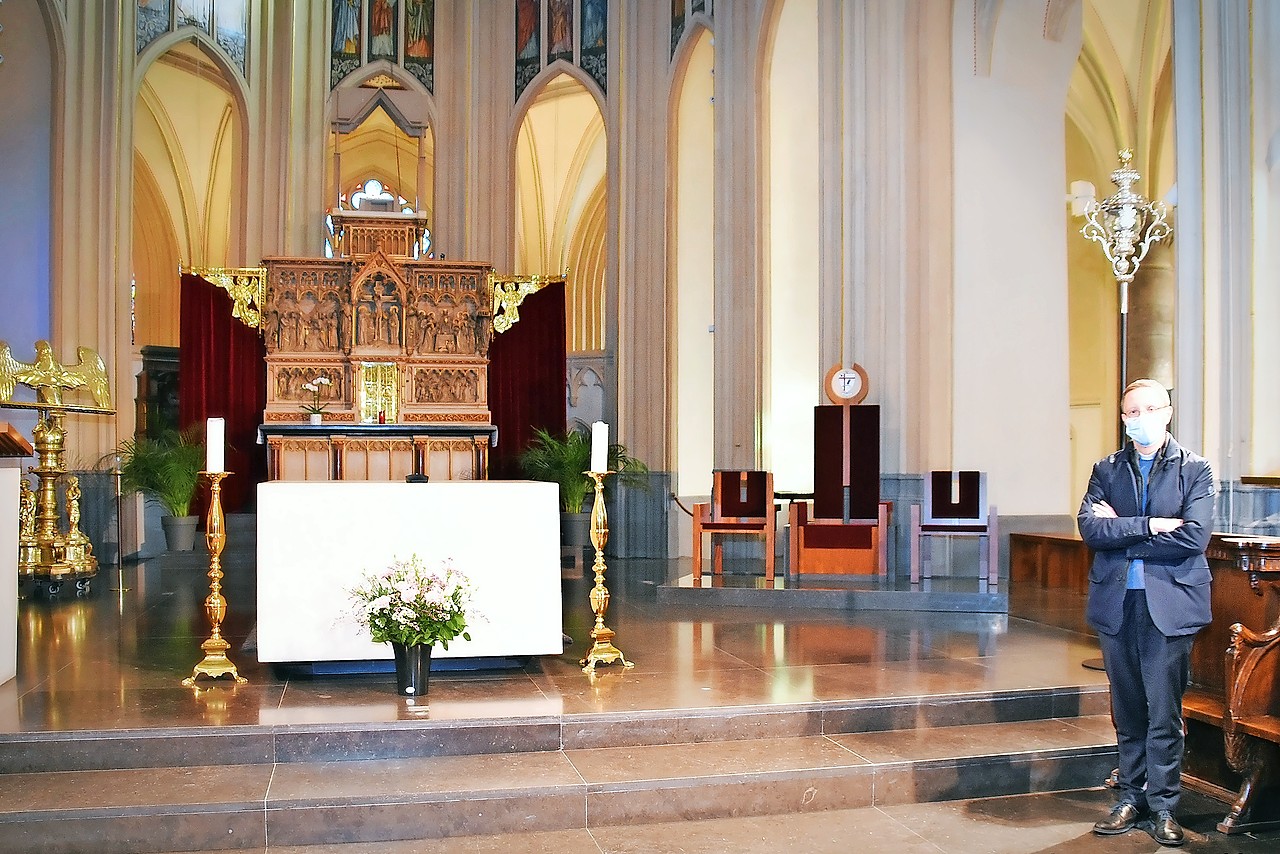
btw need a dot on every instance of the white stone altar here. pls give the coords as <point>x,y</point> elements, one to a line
<point>15,452</point>
<point>315,540</point>
<point>9,476</point>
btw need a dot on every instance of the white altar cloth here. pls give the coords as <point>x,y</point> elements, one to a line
<point>315,540</point>
<point>10,474</point>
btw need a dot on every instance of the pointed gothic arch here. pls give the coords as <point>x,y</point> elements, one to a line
<point>531,92</point>
<point>190,145</point>
<point>412,113</point>
<point>565,214</point>
<point>414,109</point>
<point>236,84</point>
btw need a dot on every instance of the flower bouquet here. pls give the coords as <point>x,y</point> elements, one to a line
<point>414,608</point>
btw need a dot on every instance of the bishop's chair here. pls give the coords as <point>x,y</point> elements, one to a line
<point>847,531</point>
<point>955,505</point>
<point>741,503</point>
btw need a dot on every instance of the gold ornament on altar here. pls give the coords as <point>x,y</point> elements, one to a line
<point>510,291</point>
<point>247,287</point>
<point>45,553</point>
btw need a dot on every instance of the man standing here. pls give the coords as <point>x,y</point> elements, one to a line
<point>1147,515</point>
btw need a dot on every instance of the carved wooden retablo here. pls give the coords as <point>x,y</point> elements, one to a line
<point>400,340</point>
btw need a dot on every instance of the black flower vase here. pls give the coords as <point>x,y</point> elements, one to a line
<point>413,668</point>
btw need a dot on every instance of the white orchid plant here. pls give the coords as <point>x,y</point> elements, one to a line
<point>315,407</point>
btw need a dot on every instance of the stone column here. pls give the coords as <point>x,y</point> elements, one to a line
<point>1152,307</point>
<point>738,261</point>
<point>1213,365</point>
<point>298,131</point>
<point>637,388</point>
<point>93,161</point>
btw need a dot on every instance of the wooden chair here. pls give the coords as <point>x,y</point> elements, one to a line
<point>837,547</point>
<point>741,503</point>
<point>847,531</point>
<point>949,514</point>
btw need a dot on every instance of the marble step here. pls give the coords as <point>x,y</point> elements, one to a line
<point>109,747</point>
<point>307,803</point>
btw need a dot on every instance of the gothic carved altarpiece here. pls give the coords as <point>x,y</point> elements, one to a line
<point>399,340</point>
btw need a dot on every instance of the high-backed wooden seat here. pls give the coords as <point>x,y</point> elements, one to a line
<point>955,505</point>
<point>848,527</point>
<point>741,503</point>
<point>1231,710</point>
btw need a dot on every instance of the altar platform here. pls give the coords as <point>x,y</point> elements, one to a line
<point>909,731</point>
<point>745,588</point>
<point>114,659</point>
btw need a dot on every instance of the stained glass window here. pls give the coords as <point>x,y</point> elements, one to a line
<point>344,46</point>
<point>528,42</point>
<point>593,54</point>
<point>227,21</point>
<point>419,40</point>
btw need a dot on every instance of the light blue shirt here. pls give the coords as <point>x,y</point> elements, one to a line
<point>1136,579</point>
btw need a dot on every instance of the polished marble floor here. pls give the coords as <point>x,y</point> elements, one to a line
<point>1056,823</point>
<point>115,658</point>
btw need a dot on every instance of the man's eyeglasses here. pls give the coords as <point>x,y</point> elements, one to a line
<point>1136,413</point>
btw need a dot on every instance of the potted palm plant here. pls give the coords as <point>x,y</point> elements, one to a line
<point>563,461</point>
<point>166,469</point>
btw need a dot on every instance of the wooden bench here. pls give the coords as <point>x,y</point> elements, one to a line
<point>1231,708</point>
<point>1058,561</point>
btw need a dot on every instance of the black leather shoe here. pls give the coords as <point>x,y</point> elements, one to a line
<point>1123,817</point>
<point>1167,831</point>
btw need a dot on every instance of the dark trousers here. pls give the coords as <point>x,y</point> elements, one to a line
<point>1148,673</point>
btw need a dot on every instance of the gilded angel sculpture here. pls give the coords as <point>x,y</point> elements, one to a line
<point>50,378</point>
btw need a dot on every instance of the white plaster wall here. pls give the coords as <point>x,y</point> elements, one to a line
<point>793,377</point>
<point>1266,263</point>
<point>1010,338</point>
<point>694,273</point>
<point>26,218</point>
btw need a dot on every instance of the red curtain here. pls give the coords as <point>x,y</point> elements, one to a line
<point>527,379</point>
<point>222,373</point>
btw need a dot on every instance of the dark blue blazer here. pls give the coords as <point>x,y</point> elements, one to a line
<point>1175,570</point>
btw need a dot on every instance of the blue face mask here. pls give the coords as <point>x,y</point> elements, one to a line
<point>1147,429</point>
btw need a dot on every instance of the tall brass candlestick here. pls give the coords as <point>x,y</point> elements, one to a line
<point>215,662</point>
<point>602,651</point>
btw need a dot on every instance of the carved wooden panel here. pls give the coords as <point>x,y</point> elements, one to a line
<point>431,320</point>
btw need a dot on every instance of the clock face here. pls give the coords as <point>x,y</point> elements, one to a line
<point>846,385</point>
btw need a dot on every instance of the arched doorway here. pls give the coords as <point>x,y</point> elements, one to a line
<point>188,139</point>
<point>560,204</point>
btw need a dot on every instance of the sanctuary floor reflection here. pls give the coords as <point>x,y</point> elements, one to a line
<point>115,658</point>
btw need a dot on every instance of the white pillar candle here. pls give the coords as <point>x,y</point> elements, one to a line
<point>599,446</point>
<point>215,433</point>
